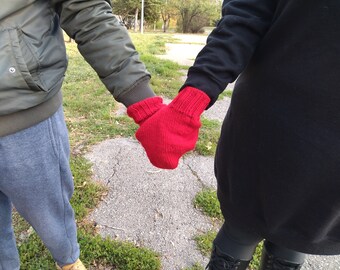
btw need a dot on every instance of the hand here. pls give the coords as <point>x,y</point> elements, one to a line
<point>173,130</point>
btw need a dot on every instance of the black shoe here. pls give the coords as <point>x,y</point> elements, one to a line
<point>220,261</point>
<point>270,262</point>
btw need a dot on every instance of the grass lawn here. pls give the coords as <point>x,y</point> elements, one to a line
<point>89,114</point>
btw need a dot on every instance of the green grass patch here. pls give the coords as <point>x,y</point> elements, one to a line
<point>208,137</point>
<point>34,255</point>
<point>226,93</point>
<point>207,201</point>
<point>204,242</point>
<point>125,256</point>
<point>166,75</point>
<point>89,107</point>
<point>151,43</point>
<point>22,229</point>
<point>94,251</point>
<point>87,193</point>
<point>196,266</point>
<point>255,262</point>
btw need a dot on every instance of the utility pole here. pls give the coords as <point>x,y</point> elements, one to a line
<point>142,18</point>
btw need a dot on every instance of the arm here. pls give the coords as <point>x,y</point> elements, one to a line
<point>106,46</point>
<point>231,45</point>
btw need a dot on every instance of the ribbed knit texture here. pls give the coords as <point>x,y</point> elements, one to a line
<point>173,130</point>
<point>142,110</point>
<point>190,101</point>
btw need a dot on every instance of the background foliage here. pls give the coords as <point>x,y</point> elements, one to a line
<point>190,15</point>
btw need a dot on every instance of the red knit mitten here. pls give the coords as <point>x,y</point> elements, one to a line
<point>145,108</point>
<point>173,130</point>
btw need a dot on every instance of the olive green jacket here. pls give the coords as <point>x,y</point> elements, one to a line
<point>33,58</point>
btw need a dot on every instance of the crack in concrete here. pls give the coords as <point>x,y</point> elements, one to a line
<point>114,166</point>
<point>195,173</point>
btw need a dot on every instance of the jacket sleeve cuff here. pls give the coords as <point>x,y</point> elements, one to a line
<point>140,91</point>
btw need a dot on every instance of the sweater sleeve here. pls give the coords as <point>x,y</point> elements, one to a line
<point>231,44</point>
<point>106,46</point>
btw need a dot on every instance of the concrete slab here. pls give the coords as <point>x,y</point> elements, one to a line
<point>151,207</point>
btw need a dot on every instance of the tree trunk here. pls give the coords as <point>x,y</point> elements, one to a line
<point>185,18</point>
<point>165,25</point>
<point>136,20</point>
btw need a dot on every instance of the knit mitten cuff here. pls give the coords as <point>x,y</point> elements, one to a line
<point>143,109</point>
<point>191,101</point>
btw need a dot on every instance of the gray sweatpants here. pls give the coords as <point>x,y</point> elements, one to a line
<point>35,177</point>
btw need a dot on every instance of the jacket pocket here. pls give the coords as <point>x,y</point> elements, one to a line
<point>23,65</point>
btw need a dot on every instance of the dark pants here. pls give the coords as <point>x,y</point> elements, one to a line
<point>241,245</point>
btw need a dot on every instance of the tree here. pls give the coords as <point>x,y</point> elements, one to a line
<point>129,11</point>
<point>194,14</point>
<point>152,10</point>
<point>167,11</point>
